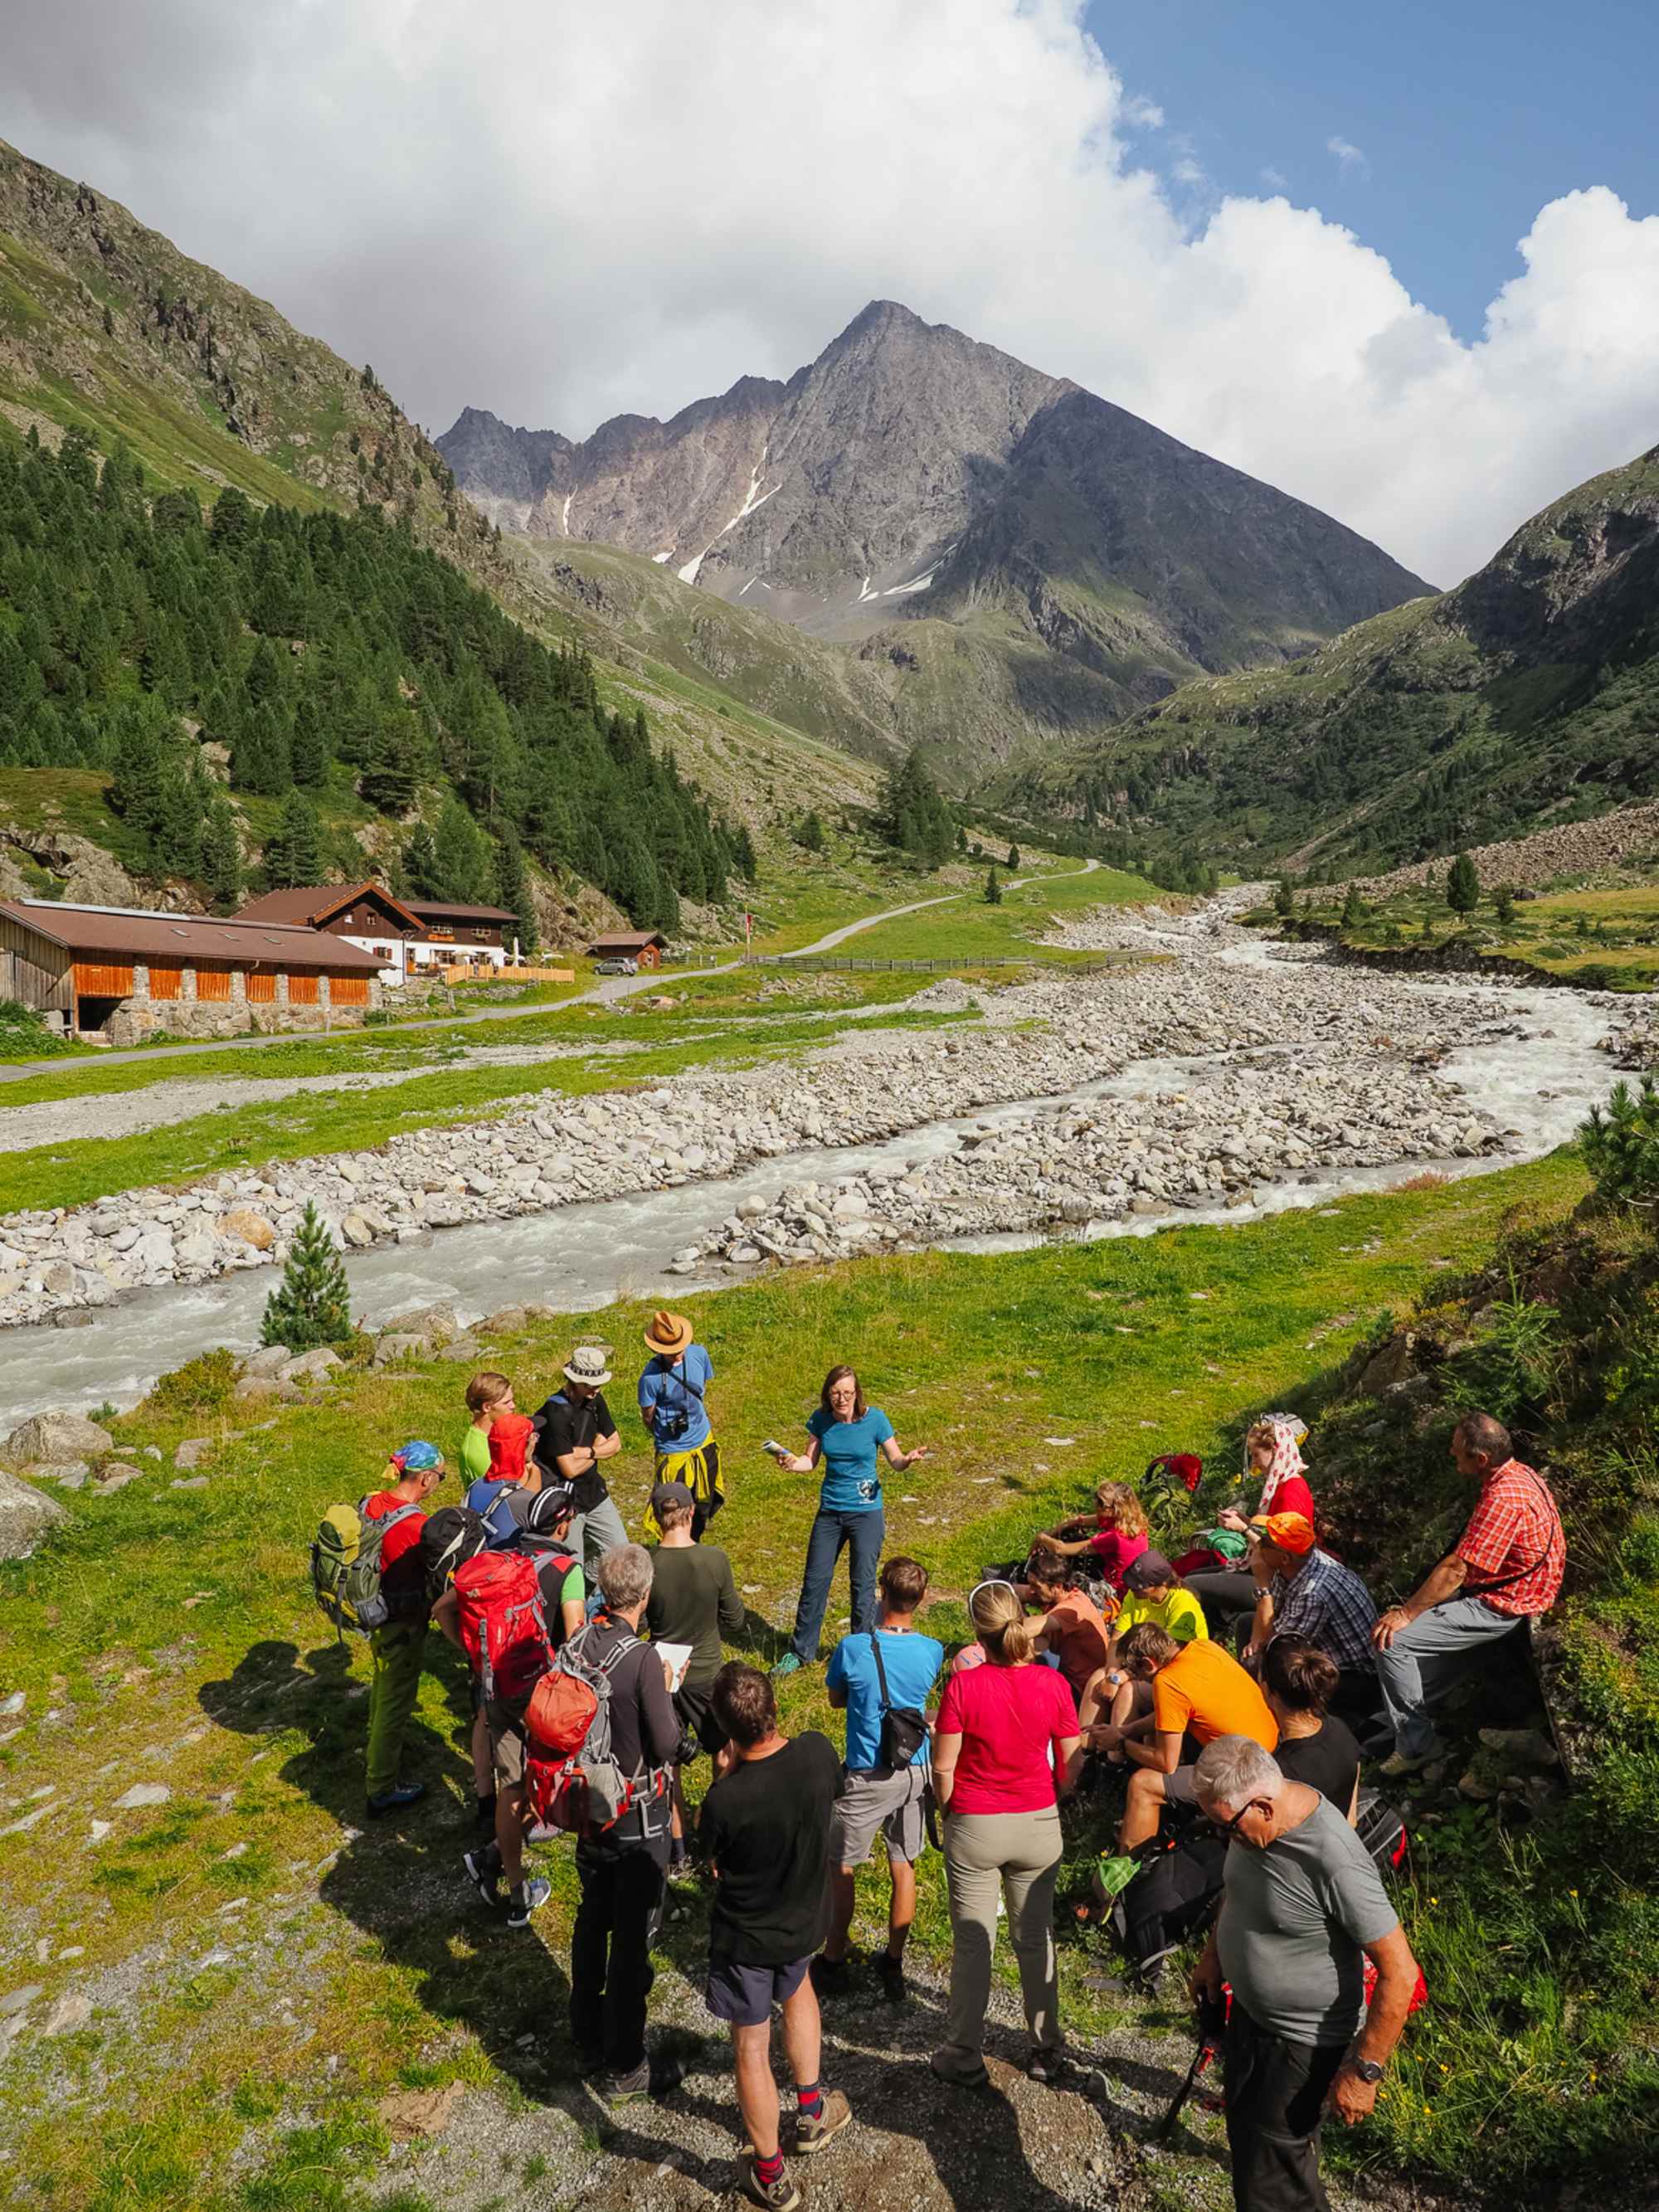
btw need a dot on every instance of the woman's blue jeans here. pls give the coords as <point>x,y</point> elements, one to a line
<point>865,1532</point>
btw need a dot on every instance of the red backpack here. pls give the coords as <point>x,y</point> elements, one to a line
<point>574,1782</point>
<point>502,1627</point>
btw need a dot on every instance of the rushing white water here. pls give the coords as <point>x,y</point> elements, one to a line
<point>1538,1085</point>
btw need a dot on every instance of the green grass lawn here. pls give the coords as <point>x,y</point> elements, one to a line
<point>1600,939</point>
<point>967,929</point>
<point>167,1635</point>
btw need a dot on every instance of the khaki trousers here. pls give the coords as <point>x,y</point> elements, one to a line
<point>1018,1854</point>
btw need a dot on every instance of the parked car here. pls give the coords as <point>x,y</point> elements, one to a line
<point>615,968</point>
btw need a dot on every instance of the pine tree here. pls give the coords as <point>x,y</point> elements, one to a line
<point>1284,898</point>
<point>912,816</point>
<point>513,886</point>
<point>420,864</point>
<point>221,854</point>
<point>294,856</point>
<point>312,1305</point>
<point>1462,885</point>
<point>992,888</point>
<point>1503,902</point>
<point>387,781</point>
<point>1013,858</point>
<point>307,747</point>
<point>808,833</point>
<point>1354,908</point>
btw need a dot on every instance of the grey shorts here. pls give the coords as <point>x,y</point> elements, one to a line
<point>504,1718</point>
<point>1178,1787</point>
<point>744,1996</point>
<point>895,1803</point>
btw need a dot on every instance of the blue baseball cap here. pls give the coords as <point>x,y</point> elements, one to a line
<point>415,1458</point>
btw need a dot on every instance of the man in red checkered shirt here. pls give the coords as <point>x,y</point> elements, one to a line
<point>1506,1568</point>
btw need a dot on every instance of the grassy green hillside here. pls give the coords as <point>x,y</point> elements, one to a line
<point>1530,692</point>
<point>106,330</point>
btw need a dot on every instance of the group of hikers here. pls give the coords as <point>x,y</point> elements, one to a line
<point>1225,1703</point>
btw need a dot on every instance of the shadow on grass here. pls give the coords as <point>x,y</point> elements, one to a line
<point>401,1881</point>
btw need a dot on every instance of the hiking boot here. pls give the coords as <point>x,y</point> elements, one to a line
<point>529,1897</point>
<point>963,2069</point>
<point>832,2115</point>
<point>484,1871</point>
<point>889,1971</point>
<point>788,1665</point>
<point>1048,2067</point>
<point>618,2089</point>
<point>394,1800</point>
<point>779,2196</point>
<point>831,1977</point>
<point>1397,1765</point>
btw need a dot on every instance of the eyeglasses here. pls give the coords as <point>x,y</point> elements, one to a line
<point>1226,1827</point>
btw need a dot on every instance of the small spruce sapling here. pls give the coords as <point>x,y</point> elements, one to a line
<point>311,1306</point>
<point>992,888</point>
<point>1462,885</point>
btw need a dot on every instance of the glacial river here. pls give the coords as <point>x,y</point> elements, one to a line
<point>1538,1085</point>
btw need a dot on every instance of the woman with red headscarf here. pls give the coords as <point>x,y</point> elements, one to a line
<point>1272,1450</point>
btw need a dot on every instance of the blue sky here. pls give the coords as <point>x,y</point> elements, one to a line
<point>1470,114</point>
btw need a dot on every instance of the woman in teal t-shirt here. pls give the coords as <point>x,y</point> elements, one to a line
<point>849,1439</point>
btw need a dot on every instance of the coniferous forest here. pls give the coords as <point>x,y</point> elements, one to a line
<point>333,659</point>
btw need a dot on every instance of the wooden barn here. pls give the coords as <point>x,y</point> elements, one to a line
<point>123,972</point>
<point>646,946</point>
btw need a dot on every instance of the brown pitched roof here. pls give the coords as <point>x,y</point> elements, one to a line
<point>128,933</point>
<point>627,940</point>
<point>310,906</point>
<point>448,910</point>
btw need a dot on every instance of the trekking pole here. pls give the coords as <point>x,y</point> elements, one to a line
<point>1211,2024</point>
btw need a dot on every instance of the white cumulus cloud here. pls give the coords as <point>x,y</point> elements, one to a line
<point>564,212</point>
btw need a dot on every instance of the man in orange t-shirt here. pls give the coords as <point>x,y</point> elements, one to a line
<point>1200,1692</point>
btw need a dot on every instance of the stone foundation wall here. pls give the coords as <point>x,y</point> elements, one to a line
<point>141,1016</point>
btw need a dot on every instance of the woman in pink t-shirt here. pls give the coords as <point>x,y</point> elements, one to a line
<point>1006,1747</point>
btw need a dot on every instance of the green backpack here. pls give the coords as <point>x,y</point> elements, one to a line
<point>345,1565</point>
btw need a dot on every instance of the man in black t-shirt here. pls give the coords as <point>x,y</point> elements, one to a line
<point>574,1433</point>
<point>766,1831</point>
<point>623,1869</point>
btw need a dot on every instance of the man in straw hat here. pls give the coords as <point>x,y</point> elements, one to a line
<point>574,1433</point>
<point>673,1405</point>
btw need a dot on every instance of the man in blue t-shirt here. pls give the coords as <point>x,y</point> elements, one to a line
<point>874,1795</point>
<point>673,1405</point>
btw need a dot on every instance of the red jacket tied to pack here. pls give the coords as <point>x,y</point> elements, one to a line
<point>502,1627</point>
<point>509,1443</point>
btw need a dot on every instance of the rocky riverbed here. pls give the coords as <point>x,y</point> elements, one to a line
<point>1293,1067</point>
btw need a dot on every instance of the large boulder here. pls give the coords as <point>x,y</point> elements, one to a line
<point>438,1323</point>
<point>53,1438</point>
<point>26,1514</point>
<point>250,1226</point>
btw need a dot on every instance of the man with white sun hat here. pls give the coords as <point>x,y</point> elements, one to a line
<point>574,1434</point>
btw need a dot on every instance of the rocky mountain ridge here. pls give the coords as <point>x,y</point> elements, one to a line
<point>1527,696</point>
<point>956,518</point>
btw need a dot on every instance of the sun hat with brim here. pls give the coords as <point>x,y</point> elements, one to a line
<point>418,1457</point>
<point>668,1334</point>
<point>1289,1532</point>
<point>586,1364</point>
<point>1151,1570</point>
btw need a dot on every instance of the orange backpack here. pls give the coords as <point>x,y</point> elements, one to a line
<point>572,1777</point>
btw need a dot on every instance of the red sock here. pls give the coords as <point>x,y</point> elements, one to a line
<point>809,2099</point>
<point>768,2170</point>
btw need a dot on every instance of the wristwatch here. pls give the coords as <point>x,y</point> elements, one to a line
<point>1368,2070</point>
